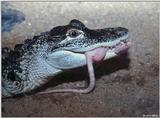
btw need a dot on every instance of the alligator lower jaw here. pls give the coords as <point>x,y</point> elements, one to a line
<point>101,53</point>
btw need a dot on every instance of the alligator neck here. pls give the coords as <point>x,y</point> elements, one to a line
<point>38,73</point>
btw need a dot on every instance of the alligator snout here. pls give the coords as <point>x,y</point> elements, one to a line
<point>121,31</point>
<point>117,30</point>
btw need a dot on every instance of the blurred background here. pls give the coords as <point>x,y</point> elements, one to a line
<point>125,86</point>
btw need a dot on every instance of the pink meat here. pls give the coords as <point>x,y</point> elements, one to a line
<point>93,55</point>
<point>122,47</point>
<point>97,54</point>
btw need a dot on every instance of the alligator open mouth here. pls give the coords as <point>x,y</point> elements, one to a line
<point>122,46</point>
<point>105,52</point>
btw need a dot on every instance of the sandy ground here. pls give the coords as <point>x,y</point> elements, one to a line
<point>125,86</point>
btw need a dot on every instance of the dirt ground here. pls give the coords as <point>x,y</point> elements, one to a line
<point>125,86</point>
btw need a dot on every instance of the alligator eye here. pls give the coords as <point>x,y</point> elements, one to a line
<point>73,33</point>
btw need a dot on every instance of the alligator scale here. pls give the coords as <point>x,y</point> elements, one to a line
<point>28,66</point>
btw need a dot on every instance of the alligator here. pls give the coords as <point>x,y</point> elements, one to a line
<point>29,65</point>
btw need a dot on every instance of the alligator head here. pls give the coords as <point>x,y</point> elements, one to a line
<point>62,48</point>
<point>75,39</point>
